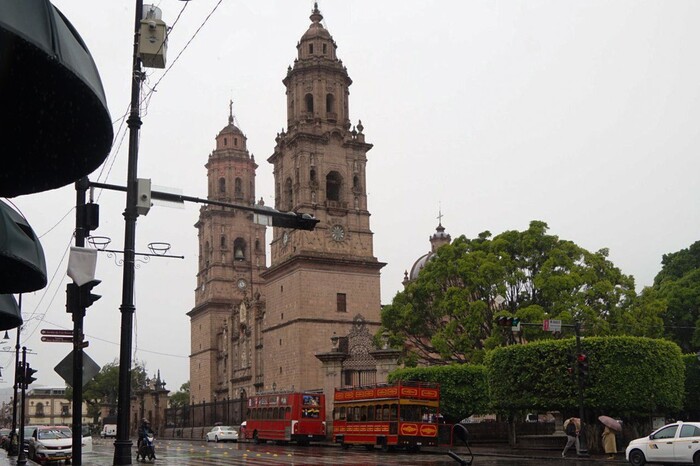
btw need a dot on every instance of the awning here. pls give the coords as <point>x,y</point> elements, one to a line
<point>10,314</point>
<point>53,113</point>
<point>22,263</point>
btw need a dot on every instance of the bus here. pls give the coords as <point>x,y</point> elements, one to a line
<point>286,417</point>
<point>404,415</point>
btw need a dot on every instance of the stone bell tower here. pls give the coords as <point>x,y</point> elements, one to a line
<point>318,280</point>
<point>227,316</point>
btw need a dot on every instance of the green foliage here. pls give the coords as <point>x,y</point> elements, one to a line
<point>629,376</point>
<point>447,314</point>
<point>678,285</point>
<point>103,389</point>
<point>182,397</point>
<point>463,389</point>
<point>691,401</point>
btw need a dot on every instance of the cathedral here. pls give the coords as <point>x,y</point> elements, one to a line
<point>258,328</point>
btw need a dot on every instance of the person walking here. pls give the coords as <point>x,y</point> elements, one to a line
<point>571,430</point>
<point>609,442</point>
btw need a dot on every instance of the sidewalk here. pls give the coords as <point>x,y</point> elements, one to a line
<point>505,451</point>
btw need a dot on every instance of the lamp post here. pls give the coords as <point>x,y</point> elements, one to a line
<point>123,444</point>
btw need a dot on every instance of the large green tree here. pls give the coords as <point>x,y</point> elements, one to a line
<point>678,286</point>
<point>103,389</point>
<point>447,314</point>
<point>182,397</point>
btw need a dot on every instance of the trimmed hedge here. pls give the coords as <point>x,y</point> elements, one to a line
<point>629,376</point>
<point>463,389</point>
<point>691,400</point>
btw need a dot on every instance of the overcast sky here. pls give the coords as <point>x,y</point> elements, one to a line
<point>582,114</point>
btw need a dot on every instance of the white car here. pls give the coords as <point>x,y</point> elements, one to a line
<point>222,434</point>
<point>674,443</point>
<point>51,443</point>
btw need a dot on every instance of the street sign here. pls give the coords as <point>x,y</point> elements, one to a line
<point>46,331</point>
<point>57,339</point>
<point>545,325</point>
<point>554,325</point>
<point>65,369</point>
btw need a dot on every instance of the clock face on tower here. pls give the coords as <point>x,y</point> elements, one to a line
<point>337,233</point>
<point>242,284</point>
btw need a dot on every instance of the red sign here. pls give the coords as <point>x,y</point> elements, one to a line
<point>46,331</point>
<point>57,339</point>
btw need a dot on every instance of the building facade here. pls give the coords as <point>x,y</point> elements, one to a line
<point>51,407</point>
<point>258,328</point>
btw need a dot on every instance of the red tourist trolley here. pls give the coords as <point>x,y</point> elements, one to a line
<point>402,415</point>
<point>285,417</point>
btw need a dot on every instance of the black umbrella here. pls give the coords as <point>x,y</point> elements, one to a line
<point>55,124</point>
<point>22,263</point>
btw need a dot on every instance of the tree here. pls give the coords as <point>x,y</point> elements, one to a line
<point>182,397</point>
<point>447,314</point>
<point>678,285</point>
<point>463,388</point>
<point>628,376</point>
<point>103,389</point>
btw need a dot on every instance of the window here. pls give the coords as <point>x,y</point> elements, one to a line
<point>686,431</point>
<point>64,411</point>
<point>239,247</point>
<point>330,103</point>
<point>225,141</point>
<point>40,409</point>
<point>311,48</point>
<point>238,187</point>
<point>309,99</point>
<point>333,184</point>
<point>668,432</point>
<point>223,241</point>
<point>222,185</point>
<point>324,48</point>
<point>288,194</point>
<point>235,141</point>
<point>341,304</point>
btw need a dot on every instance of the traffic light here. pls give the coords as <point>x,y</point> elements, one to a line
<point>81,297</point>
<point>90,217</point>
<point>86,295</point>
<point>28,376</point>
<point>513,322</point>
<point>295,220</point>
<point>582,361</point>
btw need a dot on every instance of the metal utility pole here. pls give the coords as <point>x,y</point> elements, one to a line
<point>78,315</point>
<point>123,444</point>
<point>583,448</point>
<point>13,450</point>
<point>22,456</point>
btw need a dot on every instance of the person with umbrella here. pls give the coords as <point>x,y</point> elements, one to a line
<point>609,440</point>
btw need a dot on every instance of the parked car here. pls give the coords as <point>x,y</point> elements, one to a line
<point>109,430</point>
<point>28,432</point>
<point>673,443</point>
<point>222,434</point>
<point>87,440</point>
<point>51,443</point>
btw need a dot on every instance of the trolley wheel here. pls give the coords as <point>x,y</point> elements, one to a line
<point>369,447</point>
<point>345,446</point>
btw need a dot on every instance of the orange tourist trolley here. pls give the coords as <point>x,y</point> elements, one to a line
<point>402,415</point>
<point>286,417</point>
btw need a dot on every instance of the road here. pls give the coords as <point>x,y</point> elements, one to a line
<point>198,453</point>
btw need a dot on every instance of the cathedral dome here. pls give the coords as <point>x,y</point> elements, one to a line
<point>439,238</point>
<point>316,30</point>
<point>419,264</point>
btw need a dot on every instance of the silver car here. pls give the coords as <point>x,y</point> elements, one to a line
<point>222,434</point>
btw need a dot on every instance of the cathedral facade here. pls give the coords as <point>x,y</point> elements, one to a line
<point>257,328</point>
